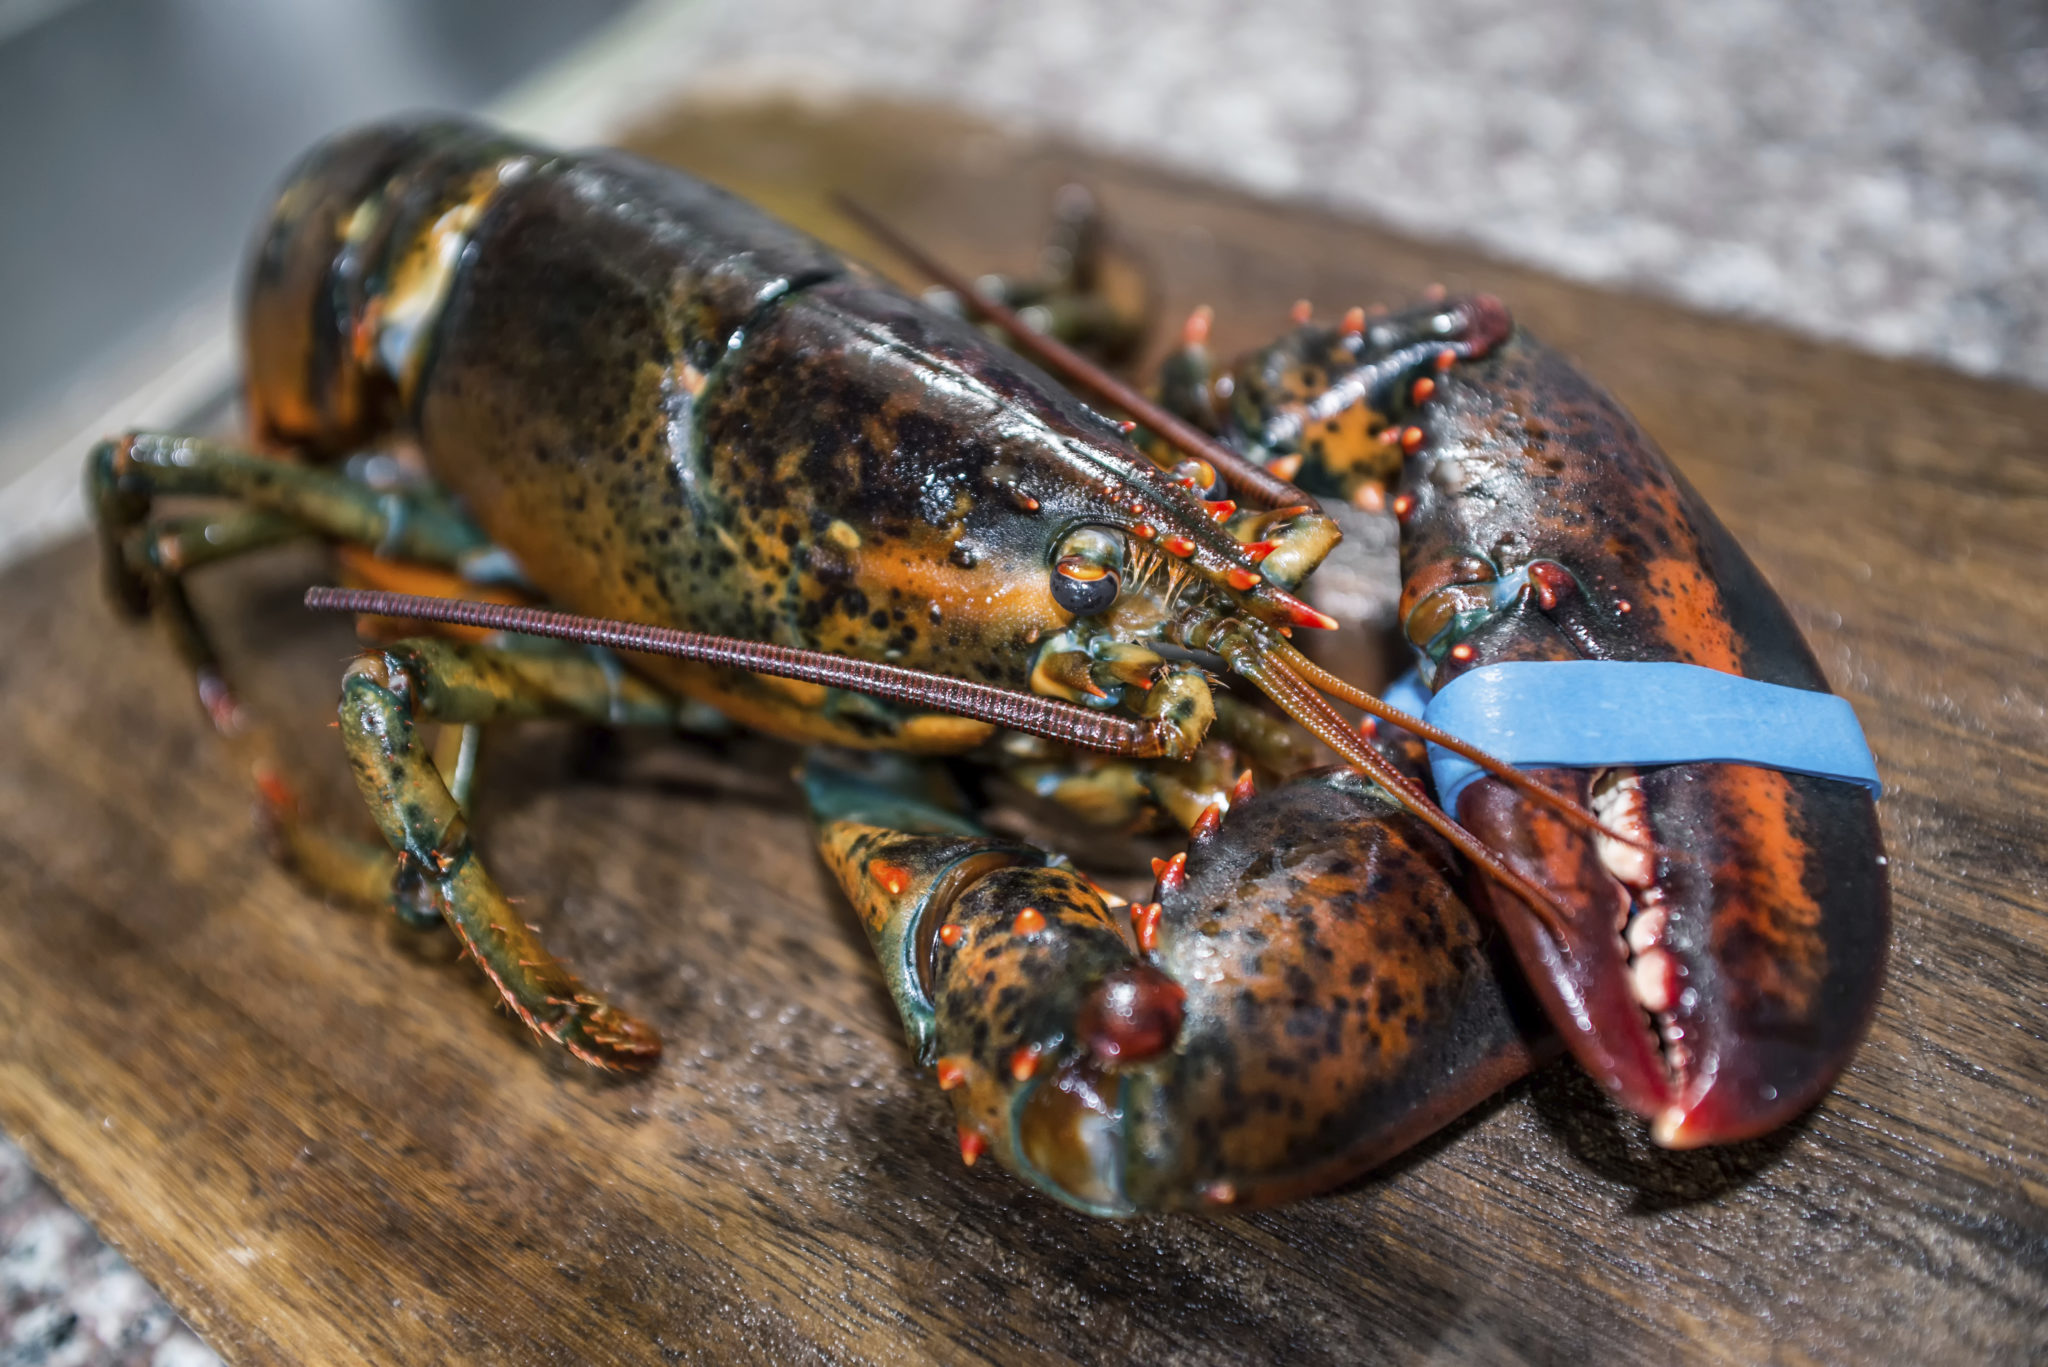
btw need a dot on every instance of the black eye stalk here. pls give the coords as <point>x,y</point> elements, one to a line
<point>1083,586</point>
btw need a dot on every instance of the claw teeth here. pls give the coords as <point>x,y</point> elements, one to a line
<point>1206,824</point>
<point>1285,467</point>
<point>1668,1129</point>
<point>1646,928</point>
<point>1618,803</point>
<point>951,1074</point>
<point>1654,978</point>
<point>1171,873</point>
<point>972,1145</point>
<point>1244,789</point>
<point>1024,1063</point>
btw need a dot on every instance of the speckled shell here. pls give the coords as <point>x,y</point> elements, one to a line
<point>1317,996</point>
<point>669,407</point>
<point>1779,908</point>
<point>1343,1002</point>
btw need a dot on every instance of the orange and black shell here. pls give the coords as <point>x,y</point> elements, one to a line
<point>1343,1001</point>
<point>1273,409</point>
<point>1027,948</point>
<point>671,408</point>
<point>323,259</point>
<point>1780,907</point>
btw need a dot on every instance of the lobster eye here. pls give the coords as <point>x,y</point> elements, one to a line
<point>1083,586</point>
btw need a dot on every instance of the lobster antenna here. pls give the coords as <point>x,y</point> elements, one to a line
<point>1007,707</point>
<point>1247,480</point>
<point>1299,700</point>
<point>1576,816</point>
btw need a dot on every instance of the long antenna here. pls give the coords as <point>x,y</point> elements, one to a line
<point>1048,717</point>
<point>1248,481</point>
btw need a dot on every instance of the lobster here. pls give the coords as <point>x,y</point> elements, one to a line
<point>634,414</point>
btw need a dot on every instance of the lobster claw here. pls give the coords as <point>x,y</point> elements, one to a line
<point>1308,996</point>
<point>1717,973</point>
<point>1720,992</point>
<point>1343,1001</point>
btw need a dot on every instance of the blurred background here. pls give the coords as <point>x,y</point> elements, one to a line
<point>1870,171</point>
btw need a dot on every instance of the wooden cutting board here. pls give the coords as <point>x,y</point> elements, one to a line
<point>323,1148</point>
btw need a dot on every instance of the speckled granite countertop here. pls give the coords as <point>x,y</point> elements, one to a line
<point>66,1299</point>
<point>1873,171</point>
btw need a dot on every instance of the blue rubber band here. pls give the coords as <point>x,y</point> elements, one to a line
<point>1588,714</point>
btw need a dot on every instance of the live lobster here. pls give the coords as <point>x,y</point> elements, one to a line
<point>643,414</point>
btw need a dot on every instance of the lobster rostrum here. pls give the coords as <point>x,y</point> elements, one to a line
<point>644,415</point>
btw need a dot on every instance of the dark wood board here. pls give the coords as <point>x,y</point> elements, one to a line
<point>323,1148</point>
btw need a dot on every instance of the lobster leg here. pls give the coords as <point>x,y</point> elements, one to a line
<point>1273,1024</point>
<point>125,475</point>
<point>1085,293</point>
<point>181,545</point>
<point>385,694</point>
<point>146,558</point>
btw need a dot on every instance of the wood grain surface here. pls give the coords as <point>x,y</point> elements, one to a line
<point>313,1136</point>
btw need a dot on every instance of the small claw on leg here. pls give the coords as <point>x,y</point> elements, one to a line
<point>605,1037</point>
